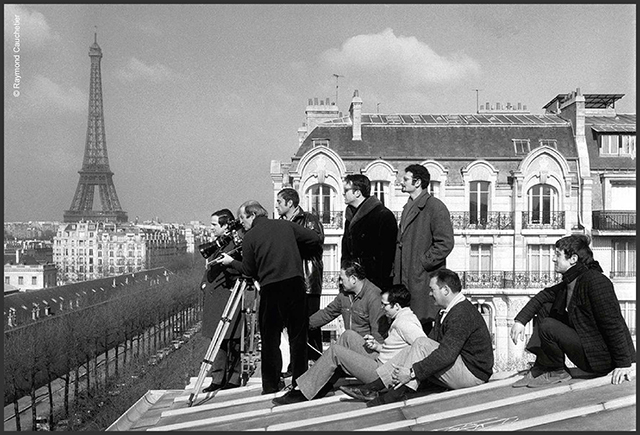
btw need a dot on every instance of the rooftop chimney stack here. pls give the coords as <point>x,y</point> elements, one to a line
<point>355,112</point>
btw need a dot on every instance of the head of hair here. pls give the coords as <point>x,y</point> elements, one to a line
<point>447,277</point>
<point>577,244</point>
<point>253,208</point>
<point>398,294</point>
<point>420,173</point>
<point>359,182</point>
<point>353,268</point>
<point>224,216</point>
<point>289,194</point>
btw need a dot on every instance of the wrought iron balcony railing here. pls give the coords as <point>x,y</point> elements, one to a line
<point>614,220</point>
<point>495,220</point>
<point>331,219</point>
<point>543,220</point>
<point>622,274</point>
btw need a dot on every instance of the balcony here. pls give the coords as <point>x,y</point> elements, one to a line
<point>508,279</point>
<point>547,220</point>
<point>331,219</point>
<point>614,220</point>
<point>622,274</point>
<point>495,220</point>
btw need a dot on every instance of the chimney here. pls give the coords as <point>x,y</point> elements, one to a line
<point>519,106</point>
<point>17,256</point>
<point>498,106</point>
<point>355,113</point>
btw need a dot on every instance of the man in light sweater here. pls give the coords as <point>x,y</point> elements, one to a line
<point>458,352</point>
<point>360,356</point>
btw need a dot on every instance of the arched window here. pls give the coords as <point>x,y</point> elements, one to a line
<point>321,198</point>
<point>478,202</point>
<point>380,189</point>
<point>543,203</point>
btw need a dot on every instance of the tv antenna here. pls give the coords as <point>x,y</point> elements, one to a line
<point>337,76</point>
<point>477,99</point>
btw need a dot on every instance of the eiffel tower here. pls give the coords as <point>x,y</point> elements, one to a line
<point>95,170</point>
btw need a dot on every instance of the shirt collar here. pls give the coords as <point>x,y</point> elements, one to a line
<point>455,301</point>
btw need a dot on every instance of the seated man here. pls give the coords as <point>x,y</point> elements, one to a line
<point>579,317</point>
<point>359,356</point>
<point>358,302</point>
<point>457,353</point>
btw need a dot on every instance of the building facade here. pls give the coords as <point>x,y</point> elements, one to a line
<point>513,181</point>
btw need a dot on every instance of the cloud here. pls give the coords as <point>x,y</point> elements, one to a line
<point>138,70</point>
<point>33,29</point>
<point>409,61</point>
<point>40,95</point>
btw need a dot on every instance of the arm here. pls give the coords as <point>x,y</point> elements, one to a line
<point>326,315</point>
<point>375,314</point>
<point>535,304</point>
<point>441,237</point>
<point>387,238</point>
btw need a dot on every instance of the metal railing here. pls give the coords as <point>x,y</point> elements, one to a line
<point>614,220</point>
<point>622,274</point>
<point>543,220</point>
<point>331,219</point>
<point>495,220</point>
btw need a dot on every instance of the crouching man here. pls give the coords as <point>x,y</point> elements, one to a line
<point>458,352</point>
<point>357,355</point>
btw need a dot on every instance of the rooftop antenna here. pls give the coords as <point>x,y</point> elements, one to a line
<point>377,107</point>
<point>337,76</point>
<point>477,99</point>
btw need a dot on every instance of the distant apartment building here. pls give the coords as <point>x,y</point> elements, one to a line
<point>25,273</point>
<point>92,250</point>
<point>514,182</point>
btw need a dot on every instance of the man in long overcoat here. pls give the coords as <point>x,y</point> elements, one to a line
<point>425,239</point>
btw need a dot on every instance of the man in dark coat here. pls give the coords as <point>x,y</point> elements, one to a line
<point>271,256</point>
<point>216,286</point>
<point>370,231</point>
<point>580,317</point>
<point>288,207</point>
<point>425,239</point>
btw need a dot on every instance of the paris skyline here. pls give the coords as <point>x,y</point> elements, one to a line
<point>198,99</point>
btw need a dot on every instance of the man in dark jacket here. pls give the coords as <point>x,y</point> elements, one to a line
<point>370,231</point>
<point>425,239</point>
<point>579,317</point>
<point>457,353</point>
<point>270,255</point>
<point>288,207</point>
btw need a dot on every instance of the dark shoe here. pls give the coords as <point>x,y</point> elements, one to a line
<point>293,396</point>
<point>396,395</point>
<point>211,388</point>
<point>549,378</point>
<point>528,377</point>
<point>281,386</point>
<point>359,393</point>
<point>230,386</point>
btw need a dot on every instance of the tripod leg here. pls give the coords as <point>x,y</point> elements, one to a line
<point>221,330</point>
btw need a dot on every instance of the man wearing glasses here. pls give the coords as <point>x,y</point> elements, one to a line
<point>360,356</point>
<point>370,231</point>
<point>425,239</point>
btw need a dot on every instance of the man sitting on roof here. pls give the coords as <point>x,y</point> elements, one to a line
<point>458,352</point>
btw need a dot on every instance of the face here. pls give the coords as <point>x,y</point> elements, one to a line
<point>282,207</point>
<point>390,310</point>
<point>348,282</point>
<point>349,194</point>
<point>408,183</point>
<point>245,220</point>
<point>563,263</point>
<point>438,293</point>
<point>216,228</point>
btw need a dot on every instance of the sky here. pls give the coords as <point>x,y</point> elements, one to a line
<point>199,99</point>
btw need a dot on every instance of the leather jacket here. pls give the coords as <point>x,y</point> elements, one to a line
<point>311,260</point>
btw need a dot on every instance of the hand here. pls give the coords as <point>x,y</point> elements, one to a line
<point>621,374</point>
<point>370,342</point>
<point>224,259</point>
<point>517,331</point>
<point>400,375</point>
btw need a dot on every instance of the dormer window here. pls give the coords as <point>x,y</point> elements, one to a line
<point>549,143</point>
<point>613,145</point>
<point>320,142</point>
<point>521,146</point>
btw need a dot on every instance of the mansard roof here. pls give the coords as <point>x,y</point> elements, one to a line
<point>443,136</point>
<point>619,124</point>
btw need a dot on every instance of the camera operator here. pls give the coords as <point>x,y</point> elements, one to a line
<point>216,284</point>
<point>271,256</point>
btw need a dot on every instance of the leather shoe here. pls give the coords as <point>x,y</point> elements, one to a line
<point>211,388</point>
<point>359,393</point>
<point>391,396</point>
<point>230,386</point>
<point>293,396</point>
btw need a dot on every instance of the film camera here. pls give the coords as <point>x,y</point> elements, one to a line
<point>211,248</point>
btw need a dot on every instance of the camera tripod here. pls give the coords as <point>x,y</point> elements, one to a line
<point>249,352</point>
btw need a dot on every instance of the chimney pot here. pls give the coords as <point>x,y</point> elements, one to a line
<point>315,101</point>
<point>519,106</point>
<point>327,101</point>
<point>310,102</point>
<point>524,107</point>
<point>482,107</point>
<point>497,106</point>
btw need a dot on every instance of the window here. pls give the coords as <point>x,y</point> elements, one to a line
<point>521,146</point>
<point>434,188</point>
<point>549,143</point>
<point>543,202</point>
<point>6,279</point>
<point>623,263</point>
<point>480,258</point>
<point>628,145</point>
<point>20,280</point>
<point>617,145</point>
<point>320,142</point>
<point>478,202</point>
<point>320,199</point>
<point>540,267</point>
<point>34,280</point>
<point>628,310</point>
<point>12,317</point>
<point>378,189</point>
<point>35,312</point>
